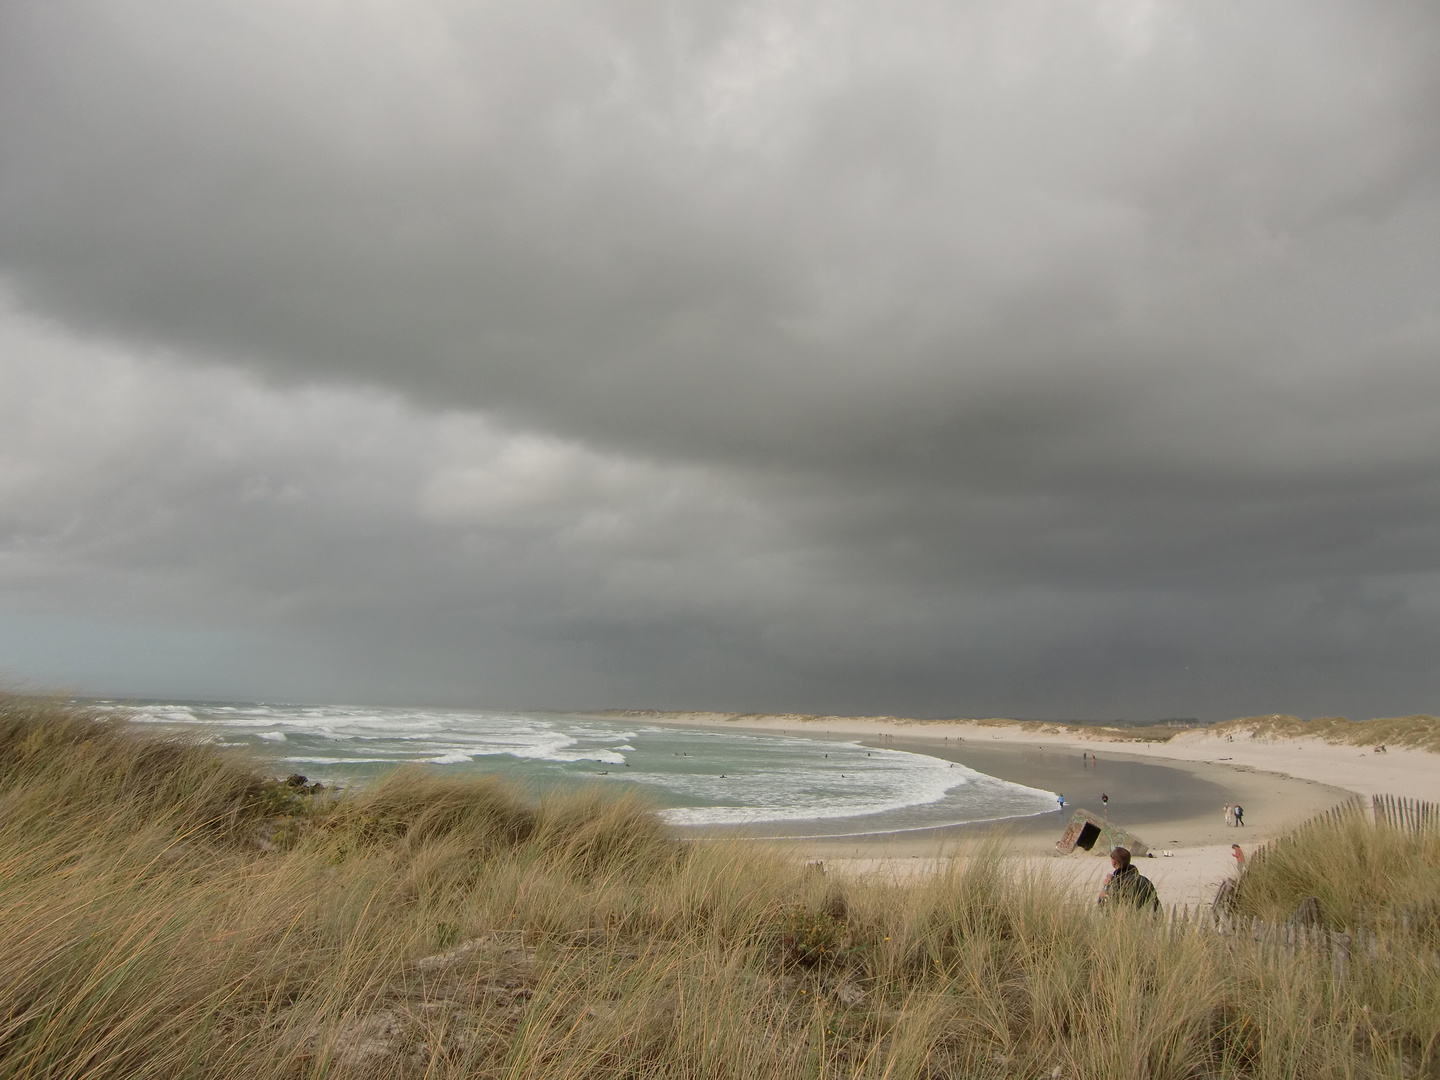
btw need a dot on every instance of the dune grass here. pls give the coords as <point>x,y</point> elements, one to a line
<point>1417,732</point>
<point>166,913</point>
<point>1361,874</point>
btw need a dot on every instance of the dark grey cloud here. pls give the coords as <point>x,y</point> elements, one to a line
<point>1034,358</point>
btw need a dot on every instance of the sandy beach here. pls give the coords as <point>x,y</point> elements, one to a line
<point>1170,794</point>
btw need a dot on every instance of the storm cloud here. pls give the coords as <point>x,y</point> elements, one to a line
<point>1036,359</point>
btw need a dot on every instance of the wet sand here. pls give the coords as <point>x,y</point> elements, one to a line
<point>1166,803</point>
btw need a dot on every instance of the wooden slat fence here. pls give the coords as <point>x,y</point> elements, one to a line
<point>1350,809</point>
<point>1411,815</point>
<point>1409,932</point>
<point>1336,814</point>
<point>1375,936</point>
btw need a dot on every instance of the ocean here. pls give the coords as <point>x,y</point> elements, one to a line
<point>750,782</point>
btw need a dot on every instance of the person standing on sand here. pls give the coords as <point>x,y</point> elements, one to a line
<point>1104,802</point>
<point>1125,885</point>
<point>1239,856</point>
<point>1229,815</point>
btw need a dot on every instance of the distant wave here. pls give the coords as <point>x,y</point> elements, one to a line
<point>455,757</point>
<point>701,777</point>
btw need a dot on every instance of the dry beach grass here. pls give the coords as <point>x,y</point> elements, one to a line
<point>166,913</point>
<point>1418,732</point>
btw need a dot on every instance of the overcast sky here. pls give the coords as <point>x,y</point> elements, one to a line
<point>1062,359</point>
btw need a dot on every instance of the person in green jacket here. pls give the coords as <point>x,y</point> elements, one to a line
<point>1125,885</point>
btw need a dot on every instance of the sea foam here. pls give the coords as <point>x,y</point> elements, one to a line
<point>700,777</point>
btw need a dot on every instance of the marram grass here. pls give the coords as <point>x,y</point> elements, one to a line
<point>165,913</point>
<point>1418,732</point>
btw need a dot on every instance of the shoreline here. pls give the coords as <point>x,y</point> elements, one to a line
<point>1170,794</point>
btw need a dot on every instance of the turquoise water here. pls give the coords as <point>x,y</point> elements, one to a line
<point>756,782</point>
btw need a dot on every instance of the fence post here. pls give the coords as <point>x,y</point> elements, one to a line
<point>1339,956</point>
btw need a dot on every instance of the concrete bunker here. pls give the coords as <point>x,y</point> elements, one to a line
<point>1093,833</point>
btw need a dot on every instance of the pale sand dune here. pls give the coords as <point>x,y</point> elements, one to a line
<point>1279,782</point>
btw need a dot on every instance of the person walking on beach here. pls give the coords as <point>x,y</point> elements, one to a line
<point>1104,801</point>
<point>1239,856</point>
<point>1126,885</point>
<point>1229,815</point>
<point>1239,813</point>
<point>1061,800</point>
